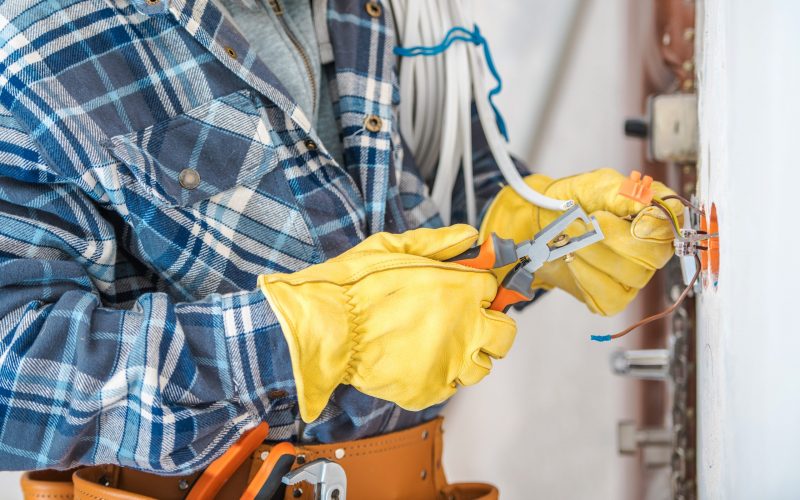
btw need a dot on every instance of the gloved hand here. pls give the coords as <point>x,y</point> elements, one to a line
<point>391,319</point>
<point>606,276</point>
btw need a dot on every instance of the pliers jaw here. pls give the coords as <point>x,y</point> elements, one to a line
<point>552,242</point>
<point>549,244</point>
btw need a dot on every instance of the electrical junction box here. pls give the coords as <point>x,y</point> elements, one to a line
<point>673,124</point>
<point>670,127</point>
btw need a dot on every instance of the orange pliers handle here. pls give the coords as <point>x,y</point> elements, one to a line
<point>267,484</point>
<point>498,252</point>
<point>220,471</point>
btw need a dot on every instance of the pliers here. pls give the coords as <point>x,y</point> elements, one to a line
<point>549,244</point>
<point>275,473</point>
<point>326,476</point>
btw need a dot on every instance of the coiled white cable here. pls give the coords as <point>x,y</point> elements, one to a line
<point>436,93</point>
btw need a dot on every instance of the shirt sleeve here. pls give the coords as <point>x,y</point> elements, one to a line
<point>88,378</point>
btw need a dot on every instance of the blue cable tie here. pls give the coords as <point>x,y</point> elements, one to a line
<point>456,34</point>
<point>601,338</point>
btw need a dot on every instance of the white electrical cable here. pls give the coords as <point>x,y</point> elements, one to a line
<point>436,93</point>
<point>455,135</point>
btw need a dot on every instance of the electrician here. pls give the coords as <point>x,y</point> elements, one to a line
<point>208,219</point>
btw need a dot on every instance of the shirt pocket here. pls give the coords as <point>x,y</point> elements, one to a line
<point>210,149</point>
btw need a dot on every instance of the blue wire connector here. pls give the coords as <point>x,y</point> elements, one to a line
<point>601,338</point>
<point>462,34</point>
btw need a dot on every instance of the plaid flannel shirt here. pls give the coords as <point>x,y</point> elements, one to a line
<point>151,167</point>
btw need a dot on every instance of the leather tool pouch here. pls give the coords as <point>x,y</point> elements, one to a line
<point>404,464</point>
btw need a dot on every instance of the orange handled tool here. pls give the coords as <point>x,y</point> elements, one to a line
<point>267,484</point>
<point>498,252</point>
<point>549,244</point>
<point>220,471</point>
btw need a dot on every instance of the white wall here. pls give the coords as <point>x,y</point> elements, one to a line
<point>749,375</point>
<point>543,424</point>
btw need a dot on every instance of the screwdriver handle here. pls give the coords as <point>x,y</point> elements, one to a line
<point>516,287</point>
<point>492,253</point>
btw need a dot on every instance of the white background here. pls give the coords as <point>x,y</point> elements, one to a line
<point>749,376</point>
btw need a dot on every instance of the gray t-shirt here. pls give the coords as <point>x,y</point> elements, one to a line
<point>282,34</point>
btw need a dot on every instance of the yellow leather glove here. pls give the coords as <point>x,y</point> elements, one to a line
<point>391,319</point>
<point>606,276</point>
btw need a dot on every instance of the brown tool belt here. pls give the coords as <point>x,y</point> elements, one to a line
<point>404,464</point>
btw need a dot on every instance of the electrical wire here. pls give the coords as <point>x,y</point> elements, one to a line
<point>675,225</point>
<point>654,317</point>
<point>674,218</point>
<point>436,95</point>
<point>685,202</point>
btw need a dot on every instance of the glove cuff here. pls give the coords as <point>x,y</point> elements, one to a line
<point>316,320</point>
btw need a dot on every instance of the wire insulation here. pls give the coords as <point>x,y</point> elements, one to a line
<point>670,214</point>
<point>654,317</point>
<point>675,224</point>
<point>685,202</point>
<point>437,91</point>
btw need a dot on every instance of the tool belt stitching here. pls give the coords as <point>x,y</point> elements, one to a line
<point>87,494</point>
<point>367,448</point>
<point>356,453</point>
<point>48,495</point>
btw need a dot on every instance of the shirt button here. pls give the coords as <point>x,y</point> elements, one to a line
<point>373,8</point>
<point>373,123</point>
<point>310,145</point>
<point>152,2</point>
<point>189,178</point>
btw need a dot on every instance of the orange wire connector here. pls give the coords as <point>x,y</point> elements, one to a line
<point>638,188</point>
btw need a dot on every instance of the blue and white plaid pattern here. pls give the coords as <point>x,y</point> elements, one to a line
<point>131,330</point>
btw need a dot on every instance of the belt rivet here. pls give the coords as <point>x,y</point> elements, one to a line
<point>301,459</point>
<point>339,453</point>
<point>423,474</point>
<point>183,485</point>
<point>297,492</point>
<point>424,435</point>
<point>264,455</point>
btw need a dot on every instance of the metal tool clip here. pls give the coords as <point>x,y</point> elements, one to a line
<point>328,477</point>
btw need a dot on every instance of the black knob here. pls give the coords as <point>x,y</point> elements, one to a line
<point>636,127</point>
